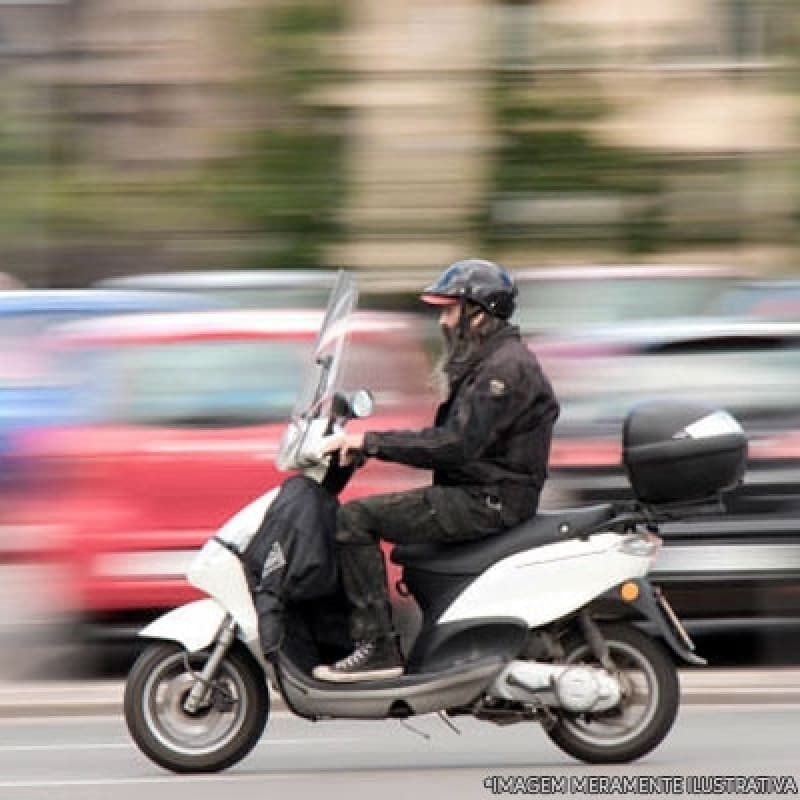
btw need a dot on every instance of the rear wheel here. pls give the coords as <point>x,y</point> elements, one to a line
<point>211,739</point>
<point>651,698</point>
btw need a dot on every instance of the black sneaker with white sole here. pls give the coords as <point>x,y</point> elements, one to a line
<point>372,660</point>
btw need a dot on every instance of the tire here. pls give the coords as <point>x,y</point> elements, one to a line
<point>625,734</point>
<point>208,741</point>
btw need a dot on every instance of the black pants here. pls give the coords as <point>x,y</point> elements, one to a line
<point>433,514</point>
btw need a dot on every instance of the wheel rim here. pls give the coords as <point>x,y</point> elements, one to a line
<point>198,734</point>
<point>636,711</point>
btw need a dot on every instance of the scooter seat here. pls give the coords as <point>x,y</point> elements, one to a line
<point>472,558</point>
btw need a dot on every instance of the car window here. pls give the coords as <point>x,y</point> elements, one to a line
<point>16,328</point>
<point>772,302</point>
<point>251,297</point>
<point>547,305</point>
<point>211,383</point>
<point>23,361</point>
<point>269,298</point>
<point>756,384</point>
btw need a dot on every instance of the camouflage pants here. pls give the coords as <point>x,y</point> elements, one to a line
<point>434,514</point>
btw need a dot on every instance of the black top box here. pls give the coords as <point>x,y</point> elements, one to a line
<point>677,452</point>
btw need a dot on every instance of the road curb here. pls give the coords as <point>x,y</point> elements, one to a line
<point>740,686</point>
<point>45,699</point>
<point>105,698</point>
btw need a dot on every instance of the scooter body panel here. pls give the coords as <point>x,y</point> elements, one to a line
<point>451,666</point>
<point>546,583</point>
<point>447,644</point>
<point>409,695</point>
<point>219,573</point>
<point>194,625</point>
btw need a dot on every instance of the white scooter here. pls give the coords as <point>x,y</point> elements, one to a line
<point>553,621</point>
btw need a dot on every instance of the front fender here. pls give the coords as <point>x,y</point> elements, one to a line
<point>194,625</point>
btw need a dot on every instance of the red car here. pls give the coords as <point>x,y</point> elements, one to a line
<point>186,412</point>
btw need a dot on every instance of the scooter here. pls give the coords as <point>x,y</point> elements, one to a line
<point>553,621</point>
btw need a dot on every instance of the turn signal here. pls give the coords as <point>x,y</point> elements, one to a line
<point>629,592</point>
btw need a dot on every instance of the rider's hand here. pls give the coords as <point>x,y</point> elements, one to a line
<point>350,446</point>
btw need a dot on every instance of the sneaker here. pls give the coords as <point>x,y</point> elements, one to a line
<point>372,660</point>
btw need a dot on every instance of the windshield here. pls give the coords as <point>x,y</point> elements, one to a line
<point>319,381</point>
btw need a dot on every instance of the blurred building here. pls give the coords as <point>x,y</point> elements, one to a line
<point>536,130</point>
<point>453,102</point>
<point>104,100</point>
<point>140,82</point>
<point>422,130</point>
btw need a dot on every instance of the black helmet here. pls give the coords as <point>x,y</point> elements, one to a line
<point>478,281</point>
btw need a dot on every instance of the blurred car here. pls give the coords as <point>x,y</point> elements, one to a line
<point>9,282</point>
<point>736,568</point>
<point>254,288</point>
<point>30,393</point>
<point>777,300</point>
<point>549,298</point>
<point>186,415</point>
<point>567,298</point>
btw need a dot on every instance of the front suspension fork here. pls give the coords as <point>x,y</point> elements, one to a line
<point>200,695</point>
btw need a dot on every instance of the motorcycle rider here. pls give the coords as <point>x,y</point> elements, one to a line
<point>488,450</point>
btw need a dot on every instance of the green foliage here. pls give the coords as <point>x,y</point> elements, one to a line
<point>290,40</point>
<point>548,158</point>
<point>550,174</point>
<point>288,182</point>
<point>565,160</point>
<point>546,151</point>
<point>288,187</point>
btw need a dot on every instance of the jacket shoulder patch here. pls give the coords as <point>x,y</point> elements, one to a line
<point>497,387</point>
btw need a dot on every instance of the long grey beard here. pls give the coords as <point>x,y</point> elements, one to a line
<point>456,350</point>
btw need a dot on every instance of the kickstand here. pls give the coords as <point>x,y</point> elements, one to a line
<point>443,717</point>
<point>412,729</point>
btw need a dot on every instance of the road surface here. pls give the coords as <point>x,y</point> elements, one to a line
<point>752,747</point>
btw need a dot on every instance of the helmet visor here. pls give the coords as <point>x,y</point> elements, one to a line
<point>439,300</point>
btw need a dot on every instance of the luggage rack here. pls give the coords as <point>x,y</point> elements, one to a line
<point>628,515</point>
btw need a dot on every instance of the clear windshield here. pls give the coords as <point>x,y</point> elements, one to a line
<point>319,381</point>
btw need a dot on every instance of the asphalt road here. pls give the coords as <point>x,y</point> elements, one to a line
<point>83,758</point>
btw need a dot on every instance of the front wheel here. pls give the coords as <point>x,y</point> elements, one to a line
<point>211,739</point>
<point>651,698</point>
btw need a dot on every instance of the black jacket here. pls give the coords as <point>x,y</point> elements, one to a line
<point>493,432</point>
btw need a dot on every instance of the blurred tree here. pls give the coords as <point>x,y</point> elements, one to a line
<point>558,186</point>
<point>286,181</point>
<point>19,157</point>
<point>552,186</point>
